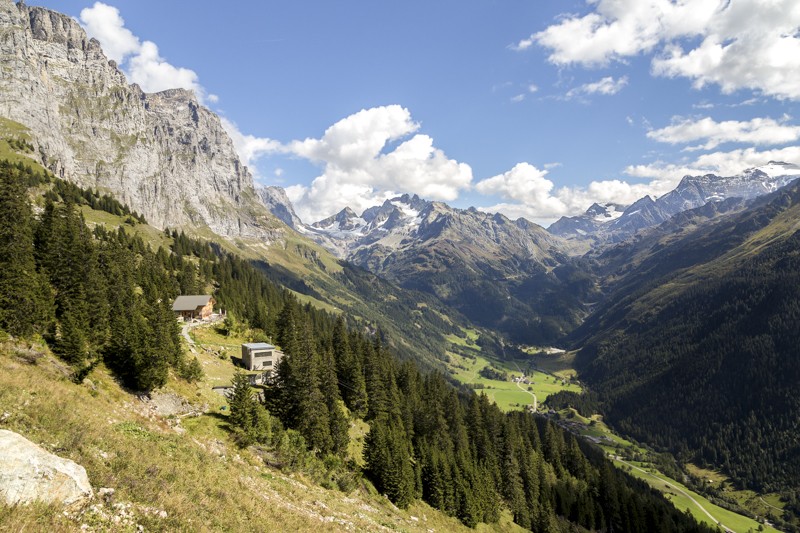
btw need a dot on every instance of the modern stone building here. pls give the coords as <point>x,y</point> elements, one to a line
<point>260,356</point>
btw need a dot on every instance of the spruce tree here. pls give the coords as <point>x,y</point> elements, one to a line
<point>349,370</point>
<point>312,416</point>
<point>339,426</point>
<point>388,462</point>
<point>25,298</point>
<point>71,344</point>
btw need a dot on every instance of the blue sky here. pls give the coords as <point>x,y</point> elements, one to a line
<point>534,108</point>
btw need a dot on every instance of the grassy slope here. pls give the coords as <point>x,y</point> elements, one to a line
<point>189,470</point>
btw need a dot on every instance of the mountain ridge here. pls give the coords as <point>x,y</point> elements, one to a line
<point>691,192</point>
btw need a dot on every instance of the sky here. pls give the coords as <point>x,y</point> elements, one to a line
<point>533,108</point>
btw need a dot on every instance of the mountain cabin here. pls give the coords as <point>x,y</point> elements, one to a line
<point>190,307</point>
<point>260,356</point>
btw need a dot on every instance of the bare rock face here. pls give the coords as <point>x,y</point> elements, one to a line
<point>29,473</point>
<point>163,154</point>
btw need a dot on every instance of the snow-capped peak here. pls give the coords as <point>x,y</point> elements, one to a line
<point>605,212</point>
<point>779,168</point>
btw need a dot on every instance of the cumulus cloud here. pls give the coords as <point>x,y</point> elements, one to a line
<point>722,163</point>
<point>140,61</point>
<point>249,147</point>
<point>370,156</point>
<point>104,23</point>
<point>605,86</point>
<point>758,131</point>
<point>744,44</point>
<point>528,193</point>
<point>153,73</point>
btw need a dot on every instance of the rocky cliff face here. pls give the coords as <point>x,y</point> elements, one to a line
<point>279,205</point>
<point>163,154</point>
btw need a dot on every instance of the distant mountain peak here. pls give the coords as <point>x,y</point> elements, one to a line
<point>601,224</point>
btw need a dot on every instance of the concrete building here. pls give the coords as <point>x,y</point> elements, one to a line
<point>260,356</point>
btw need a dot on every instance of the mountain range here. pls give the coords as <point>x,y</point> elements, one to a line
<point>682,309</point>
<point>611,223</point>
<point>511,276</point>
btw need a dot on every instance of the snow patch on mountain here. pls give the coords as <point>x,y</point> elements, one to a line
<point>602,224</point>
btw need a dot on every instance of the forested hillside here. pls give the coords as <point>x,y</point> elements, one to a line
<point>103,294</point>
<point>697,350</point>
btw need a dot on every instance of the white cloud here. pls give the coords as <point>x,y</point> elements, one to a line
<point>525,191</point>
<point>605,86</point>
<point>248,147</point>
<point>518,98</point>
<point>362,167</point>
<point>528,193</point>
<point>742,44</point>
<point>532,88</point>
<point>722,163</point>
<point>140,61</point>
<point>758,131</point>
<point>104,23</point>
<point>154,74</point>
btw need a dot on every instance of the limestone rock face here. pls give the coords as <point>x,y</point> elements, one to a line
<point>163,154</point>
<point>279,205</point>
<point>29,473</point>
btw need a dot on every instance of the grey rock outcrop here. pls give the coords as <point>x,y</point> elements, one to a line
<point>279,205</point>
<point>29,473</point>
<point>163,154</point>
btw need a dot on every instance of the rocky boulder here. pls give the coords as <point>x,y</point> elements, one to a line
<point>29,473</point>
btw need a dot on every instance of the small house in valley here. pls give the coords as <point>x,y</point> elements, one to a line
<point>260,356</point>
<point>190,307</point>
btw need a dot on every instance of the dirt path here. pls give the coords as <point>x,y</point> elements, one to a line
<point>765,502</point>
<point>670,485</point>
<point>185,333</point>
<point>523,389</point>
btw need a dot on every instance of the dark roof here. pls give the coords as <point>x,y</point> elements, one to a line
<point>259,346</point>
<point>190,303</point>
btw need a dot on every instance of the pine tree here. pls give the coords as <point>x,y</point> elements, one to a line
<point>349,370</point>
<point>25,299</point>
<point>239,398</point>
<point>512,487</point>
<point>251,421</point>
<point>339,426</point>
<point>71,345</point>
<point>312,417</point>
<point>388,462</point>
